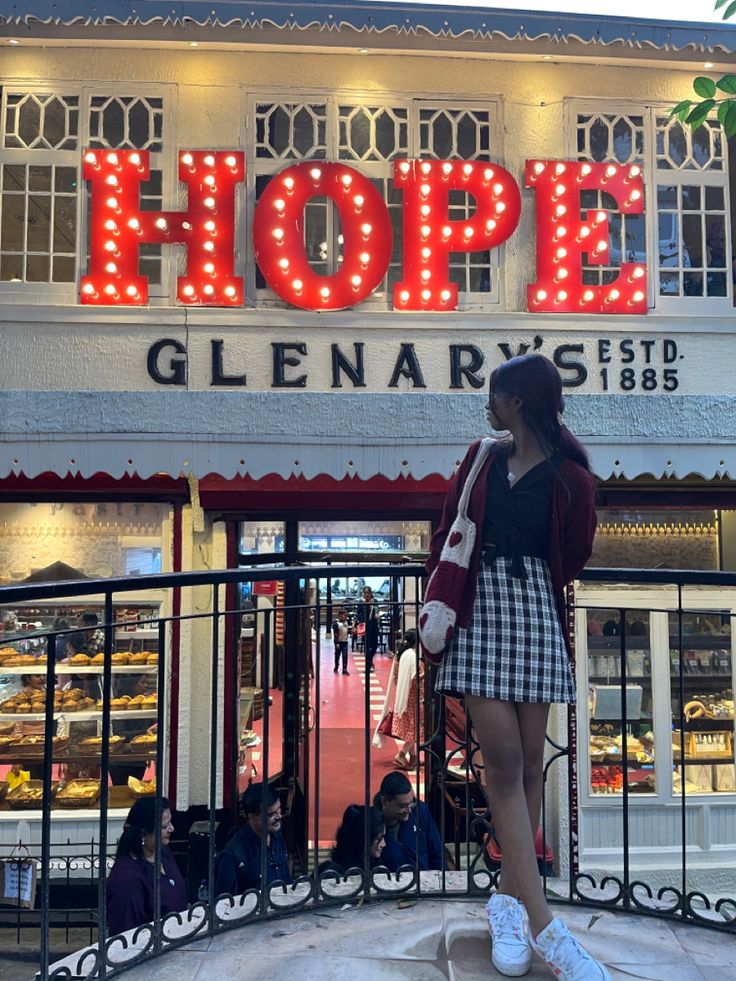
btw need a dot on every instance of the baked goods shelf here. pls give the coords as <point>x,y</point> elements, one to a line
<point>78,716</point>
<point>65,668</point>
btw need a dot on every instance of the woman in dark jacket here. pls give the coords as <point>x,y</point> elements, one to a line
<point>533,505</point>
<point>130,886</point>
<point>349,850</point>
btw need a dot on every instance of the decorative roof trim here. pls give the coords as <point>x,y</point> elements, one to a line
<point>410,23</point>
<point>294,434</point>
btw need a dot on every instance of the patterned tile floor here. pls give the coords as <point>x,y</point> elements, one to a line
<point>434,939</point>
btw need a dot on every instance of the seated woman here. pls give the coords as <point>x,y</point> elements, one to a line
<point>349,850</point>
<point>131,882</point>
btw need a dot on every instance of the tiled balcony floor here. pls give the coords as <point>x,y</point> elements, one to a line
<point>434,939</point>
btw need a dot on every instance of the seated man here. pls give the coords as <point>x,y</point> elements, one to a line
<point>239,865</point>
<point>403,815</point>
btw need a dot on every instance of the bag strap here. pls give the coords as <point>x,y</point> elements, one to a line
<point>480,458</point>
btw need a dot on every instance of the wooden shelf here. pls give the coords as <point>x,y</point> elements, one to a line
<point>62,668</point>
<point>95,716</point>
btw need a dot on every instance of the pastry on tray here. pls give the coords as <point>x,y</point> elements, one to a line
<point>141,658</point>
<point>98,658</point>
<point>80,659</point>
<point>120,658</point>
<point>146,739</point>
<point>118,704</point>
<point>152,659</point>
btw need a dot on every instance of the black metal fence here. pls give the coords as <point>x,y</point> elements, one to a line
<point>57,882</point>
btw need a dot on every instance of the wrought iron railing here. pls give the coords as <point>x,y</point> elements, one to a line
<point>290,654</point>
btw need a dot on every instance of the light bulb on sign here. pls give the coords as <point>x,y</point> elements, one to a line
<point>131,291</point>
<point>588,295</point>
<point>356,281</point>
<point>88,288</point>
<point>289,183</point>
<point>209,202</point>
<point>284,264</point>
<point>209,180</point>
<point>325,292</point>
<point>585,170</point>
<point>634,171</point>
<point>584,232</point>
<point>500,207</point>
<point>187,159</point>
<point>208,246</point>
<point>230,291</point>
<point>638,272</point>
<point>426,168</point>
<point>560,210</point>
<point>600,217</point>
<point>425,210</point>
<point>209,289</point>
<point>366,229</point>
<point>110,290</point>
<point>110,246</point>
<point>358,201</point>
<point>468,231</point>
<point>426,253</point>
<point>112,180</point>
<point>498,189</point>
<point>602,246</point>
<point>490,225</point>
<point>404,296</point>
<point>424,190</point>
<point>161,223</point>
<point>209,268</point>
<point>446,231</point>
<point>425,231</point>
<point>560,169</point>
<point>611,171</point>
<point>446,170</point>
<point>488,176</point>
<point>364,258</point>
<point>445,295</point>
<point>112,158</point>
<point>187,226</point>
<point>426,275</point>
<point>298,285</point>
<point>91,158</point>
<point>635,195</point>
<point>347,179</point>
<point>111,268</point>
<point>209,226</point>
<point>561,252</point>
<point>538,168</point>
<point>231,161</point>
<point>110,225</point>
<point>426,295</point>
<point>209,160</point>
<point>562,296</point>
<point>467,169</point>
<point>638,296</point>
<point>560,190</point>
<point>278,234</point>
<point>404,167</point>
<point>541,295</point>
<point>315,173</point>
<point>614,295</point>
<point>133,223</point>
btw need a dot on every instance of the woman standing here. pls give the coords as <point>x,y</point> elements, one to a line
<point>533,504</point>
<point>403,712</point>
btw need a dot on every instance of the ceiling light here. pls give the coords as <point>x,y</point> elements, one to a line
<point>13,40</point>
<point>194,44</point>
<point>708,64</point>
<point>362,51</point>
<point>546,57</point>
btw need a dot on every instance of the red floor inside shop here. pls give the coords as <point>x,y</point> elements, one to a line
<point>338,718</point>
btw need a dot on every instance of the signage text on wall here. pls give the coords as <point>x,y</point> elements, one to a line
<point>565,239</point>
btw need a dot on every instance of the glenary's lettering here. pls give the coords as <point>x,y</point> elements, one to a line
<point>568,236</point>
<point>644,364</point>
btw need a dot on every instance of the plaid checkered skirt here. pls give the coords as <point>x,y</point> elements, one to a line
<point>513,648</point>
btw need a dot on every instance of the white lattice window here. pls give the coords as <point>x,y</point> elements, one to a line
<point>369,135</point>
<point>685,232</point>
<point>43,200</point>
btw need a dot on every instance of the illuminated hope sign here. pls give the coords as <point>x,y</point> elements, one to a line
<point>565,240</point>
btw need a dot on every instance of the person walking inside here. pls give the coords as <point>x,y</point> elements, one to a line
<point>533,504</point>
<point>368,615</point>
<point>340,632</point>
<point>400,719</point>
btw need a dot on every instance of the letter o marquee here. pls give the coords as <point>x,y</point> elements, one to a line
<point>278,236</point>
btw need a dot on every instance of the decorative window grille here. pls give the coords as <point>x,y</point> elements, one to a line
<point>684,234</point>
<point>369,136</point>
<point>43,201</point>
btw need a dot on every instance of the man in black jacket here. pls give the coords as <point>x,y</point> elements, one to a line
<point>240,865</point>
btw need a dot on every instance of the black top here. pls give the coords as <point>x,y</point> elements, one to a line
<point>517,519</point>
<point>239,865</point>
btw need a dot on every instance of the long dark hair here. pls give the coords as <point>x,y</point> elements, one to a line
<point>349,840</point>
<point>141,820</point>
<point>536,381</point>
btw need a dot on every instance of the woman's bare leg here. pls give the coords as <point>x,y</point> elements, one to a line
<point>532,728</point>
<point>497,726</point>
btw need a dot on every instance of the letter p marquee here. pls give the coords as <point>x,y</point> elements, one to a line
<point>118,227</point>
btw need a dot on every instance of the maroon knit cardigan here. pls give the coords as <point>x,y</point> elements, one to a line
<point>572,528</point>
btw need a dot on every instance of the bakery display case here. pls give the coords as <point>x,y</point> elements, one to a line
<point>78,706</point>
<point>655,719</point>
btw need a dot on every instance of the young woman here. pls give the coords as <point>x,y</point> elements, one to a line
<point>348,852</point>
<point>404,689</point>
<point>130,887</point>
<point>533,505</point>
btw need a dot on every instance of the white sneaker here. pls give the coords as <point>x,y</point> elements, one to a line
<point>565,957</point>
<point>510,950</point>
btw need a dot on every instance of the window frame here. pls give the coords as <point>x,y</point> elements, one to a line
<point>660,305</point>
<point>164,160</point>
<point>380,300</point>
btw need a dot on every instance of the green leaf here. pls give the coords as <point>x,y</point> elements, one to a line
<point>727,84</point>
<point>705,87</point>
<point>729,123</point>
<point>683,106</point>
<point>723,110</point>
<point>729,11</point>
<point>719,3</point>
<point>699,114</point>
